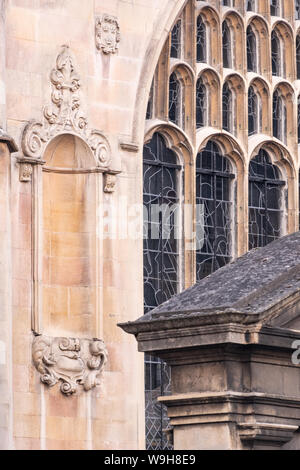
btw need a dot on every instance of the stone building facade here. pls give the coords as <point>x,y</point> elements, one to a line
<point>86,92</point>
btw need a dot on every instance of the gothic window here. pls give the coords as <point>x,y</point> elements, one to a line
<point>251,50</point>
<point>279,117</point>
<point>175,101</point>
<point>201,104</point>
<point>176,40</point>
<point>276,54</point>
<point>298,56</point>
<point>250,5</point>
<point>275,7</point>
<point>201,40</point>
<point>227,105</point>
<point>161,267</point>
<point>265,201</point>
<point>297,9</point>
<point>214,201</point>
<point>227,47</point>
<point>253,112</point>
<point>227,3</point>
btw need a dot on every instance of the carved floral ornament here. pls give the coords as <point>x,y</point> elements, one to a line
<point>64,115</point>
<point>107,34</point>
<point>71,361</point>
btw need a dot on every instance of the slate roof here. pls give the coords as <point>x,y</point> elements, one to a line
<point>251,284</point>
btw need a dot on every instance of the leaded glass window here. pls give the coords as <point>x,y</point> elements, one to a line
<point>253,112</point>
<point>226,45</point>
<point>161,267</point>
<point>275,7</point>
<point>251,50</point>
<point>201,41</point>
<point>276,54</point>
<point>214,201</point>
<point>176,40</point>
<point>279,117</point>
<point>176,109</point>
<point>227,105</point>
<point>201,104</point>
<point>297,9</point>
<point>298,56</point>
<point>265,201</point>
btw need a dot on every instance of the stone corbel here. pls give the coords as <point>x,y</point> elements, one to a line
<point>257,434</point>
<point>110,181</point>
<point>26,168</point>
<point>71,361</point>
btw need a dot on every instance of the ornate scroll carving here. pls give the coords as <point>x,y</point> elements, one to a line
<point>64,115</point>
<point>71,361</point>
<point>107,34</point>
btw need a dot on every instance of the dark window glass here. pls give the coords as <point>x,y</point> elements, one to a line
<point>275,7</point>
<point>161,260</point>
<point>226,44</point>
<point>226,3</point>
<point>253,112</point>
<point>297,9</point>
<point>265,200</point>
<point>149,113</point>
<point>298,56</point>
<point>276,54</point>
<point>227,102</point>
<point>175,101</point>
<point>201,104</point>
<point>251,50</point>
<point>279,117</point>
<point>213,199</point>
<point>176,35</point>
<point>201,41</point>
<point>250,5</point>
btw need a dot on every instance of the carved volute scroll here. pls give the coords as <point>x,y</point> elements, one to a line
<point>107,34</point>
<point>71,361</point>
<point>64,115</point>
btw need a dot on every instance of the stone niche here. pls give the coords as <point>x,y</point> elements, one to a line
<point>233,344</point>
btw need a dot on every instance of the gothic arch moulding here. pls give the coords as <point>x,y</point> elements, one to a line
<point>64,116</point>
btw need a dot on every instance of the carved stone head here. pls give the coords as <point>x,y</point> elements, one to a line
<point>107,34</point>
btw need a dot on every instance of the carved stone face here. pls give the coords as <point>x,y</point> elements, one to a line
<point>107,34</point>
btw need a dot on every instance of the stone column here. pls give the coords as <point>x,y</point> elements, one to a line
<point>7,146</point>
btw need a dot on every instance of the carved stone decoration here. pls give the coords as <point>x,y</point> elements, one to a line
<point>64,115</point>
<point>107,34</point>
<point>25,172</point>
<point>71,361</point>
<point>109,183</point>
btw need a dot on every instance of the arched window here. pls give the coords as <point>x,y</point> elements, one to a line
<point>176,40</point>
<point>201,41</point>
<point>253,112</point>
<point>176,109</point>
<point>161,267</point>
<point>214,201</point>
<point>227,47</point>
<point>227,104</point>
<point>298,56</point>
<point>275,7</point>
<point>297,9</point>
<point>201,104</point>
<point>250,5</point>
<point>279,117</point>
<point>251,50</point>
<point>276,54</point>
<point>265,201</point>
